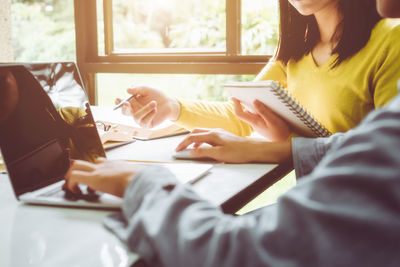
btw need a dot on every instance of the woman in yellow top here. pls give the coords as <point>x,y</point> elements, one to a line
<point>338,58</point>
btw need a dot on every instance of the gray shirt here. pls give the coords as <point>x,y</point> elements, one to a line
<point>344,210</point>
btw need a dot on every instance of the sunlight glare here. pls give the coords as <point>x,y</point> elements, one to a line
<point>163,4</point>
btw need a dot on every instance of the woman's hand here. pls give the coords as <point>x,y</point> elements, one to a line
<point>107,176</point>
<point>230,148</point>
<point>264,121</point>
<point>150,106</point>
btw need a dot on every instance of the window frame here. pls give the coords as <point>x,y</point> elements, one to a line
<point>177,61</point>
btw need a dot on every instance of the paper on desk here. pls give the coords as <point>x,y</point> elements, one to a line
<point>124,128</point>
<point>110,115</point>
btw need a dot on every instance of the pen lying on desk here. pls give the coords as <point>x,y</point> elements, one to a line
<point>122,102</point>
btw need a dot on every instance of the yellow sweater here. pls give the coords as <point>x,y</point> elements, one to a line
<point>339,98</point>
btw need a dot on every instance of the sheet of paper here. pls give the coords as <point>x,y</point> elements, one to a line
<point>124,128</point>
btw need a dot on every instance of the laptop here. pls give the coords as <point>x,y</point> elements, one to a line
<point>50,123</point>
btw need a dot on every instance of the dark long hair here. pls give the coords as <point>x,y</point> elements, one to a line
<point>299,34</point>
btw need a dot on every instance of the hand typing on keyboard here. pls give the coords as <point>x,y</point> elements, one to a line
<point>85,193</point>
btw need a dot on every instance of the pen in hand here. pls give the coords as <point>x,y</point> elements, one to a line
<point>123,101</point>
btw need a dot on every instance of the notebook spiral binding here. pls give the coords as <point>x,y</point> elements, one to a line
<point>300,112</point>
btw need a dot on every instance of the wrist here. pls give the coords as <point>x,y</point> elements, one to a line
<point>284,151</point>
<point>175,109</point>
<point>273,152</point>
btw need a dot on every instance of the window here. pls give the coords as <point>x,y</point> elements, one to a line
<point>259,33</point>
<point>43,30</point>
<point>168,26</point>
<point>191,26</point>
<point>190,46</point>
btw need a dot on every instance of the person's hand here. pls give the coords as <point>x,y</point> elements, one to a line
<point>104,175</point>
<point>226,147</point>
<point>150,106</point>
<point>264,121</point>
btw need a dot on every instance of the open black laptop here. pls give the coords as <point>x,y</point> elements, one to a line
<point>51,123</point>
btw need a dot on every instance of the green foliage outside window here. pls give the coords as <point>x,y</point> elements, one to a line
<point>43,30</point>
<point>169,24</point>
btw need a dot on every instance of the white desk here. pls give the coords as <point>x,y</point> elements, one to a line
<point>48,236</point>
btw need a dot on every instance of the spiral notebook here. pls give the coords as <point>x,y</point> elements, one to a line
<point>280,101</point>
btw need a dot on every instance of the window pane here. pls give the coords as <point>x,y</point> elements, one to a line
<point>100,28</point>
<point>172,24</point>
<point>207,87</point>
<point>260,20</point>
<point>43,30</point>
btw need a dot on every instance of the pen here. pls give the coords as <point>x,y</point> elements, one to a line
<point>122,102</point>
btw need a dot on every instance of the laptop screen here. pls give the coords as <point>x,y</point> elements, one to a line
<point>46,121</point>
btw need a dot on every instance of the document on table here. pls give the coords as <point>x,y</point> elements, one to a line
<point>121,128</point>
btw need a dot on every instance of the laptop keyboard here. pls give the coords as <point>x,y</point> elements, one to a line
<point>58,192</point>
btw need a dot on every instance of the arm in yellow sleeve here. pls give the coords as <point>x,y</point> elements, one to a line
<point>205,114</point>
<point>388,70</point>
